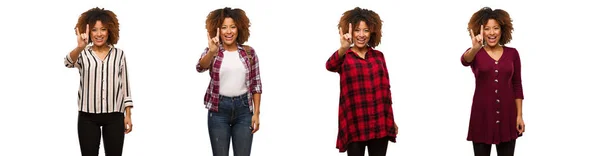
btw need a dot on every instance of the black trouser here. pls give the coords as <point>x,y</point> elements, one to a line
<point>113,132</point>
<point>377,147</point>
<point>503,149</point>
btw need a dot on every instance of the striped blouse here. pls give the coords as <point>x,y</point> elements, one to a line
<point>103,85</point>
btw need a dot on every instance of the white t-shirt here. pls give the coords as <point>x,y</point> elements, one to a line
<point>232,75</point>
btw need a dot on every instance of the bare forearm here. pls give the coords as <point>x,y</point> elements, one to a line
<point>207,59</point>
<point>342,51</point>
<point>75,53</point>
<point>470,55</point>
<point>256,99</point>
<point>519,103</point>
<point>128,111</point>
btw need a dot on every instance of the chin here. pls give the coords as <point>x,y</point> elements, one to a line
<point>229,43</point>
<point>492,44</point>
<point>99,44</point>
<point>360,45</point>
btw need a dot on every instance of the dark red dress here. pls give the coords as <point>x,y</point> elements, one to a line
<point>497,85</point>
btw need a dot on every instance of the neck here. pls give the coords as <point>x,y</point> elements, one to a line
<point>231,47</point>
<point>360,50</point>
<point>102,48</point>
<point>492,48</point>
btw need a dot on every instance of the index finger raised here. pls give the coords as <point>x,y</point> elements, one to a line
<point>350,28</point>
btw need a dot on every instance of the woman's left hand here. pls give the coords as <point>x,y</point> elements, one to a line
<point>520,125</point>
<point>395,128</point>
<point>128,124</point>
<point>255,123</point>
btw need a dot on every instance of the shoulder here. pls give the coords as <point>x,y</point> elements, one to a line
<point>377,53</point>
<point>118,50</point>
<point>249,49</point>
<point>510,49</point>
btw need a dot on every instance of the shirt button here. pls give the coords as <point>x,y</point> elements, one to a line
<point>497,100</point>
<point>496,62</point>
<point>496,91</point>
<point>497,112</point>
<point>497,121</point>
<point>496,70</point>
<point>495,80</point>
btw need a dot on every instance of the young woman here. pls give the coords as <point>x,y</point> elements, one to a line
<point>233,94</point>
<point>365,112</point>
<point>496,114</point>
<point>104,93</point>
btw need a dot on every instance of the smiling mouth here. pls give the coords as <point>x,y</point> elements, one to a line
<point>98,39</point>
<point>361,41</point>
<point>492,39</point>
<point>228,37</point>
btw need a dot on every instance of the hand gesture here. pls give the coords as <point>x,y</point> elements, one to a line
<point>83,39</point>
<point>213,42</point>
<point>128,125</point>
<point>346,38</point>
<point>520,125</point>
<point>477,41</point>
<point>255,123</point>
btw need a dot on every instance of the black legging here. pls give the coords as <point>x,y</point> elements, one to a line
<point>503,149</point>
<point>113,133</point>
<point>377,147</point>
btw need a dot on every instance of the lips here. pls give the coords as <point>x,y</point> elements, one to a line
<point>99,39</point>
<point>492,39</point>
<point>361,41</point>
<point>228,37</point>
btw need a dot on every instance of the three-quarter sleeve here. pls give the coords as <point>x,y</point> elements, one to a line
<point>127,101</point>
<point>516,78</point>
<point>199,68</point>
<point>255,80</point>
<point>334,62</point>
<point>69,63</point>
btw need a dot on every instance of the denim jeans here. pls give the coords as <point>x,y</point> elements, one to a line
<point>231,122</point>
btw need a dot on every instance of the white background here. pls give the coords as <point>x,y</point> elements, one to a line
<point>422,41</point>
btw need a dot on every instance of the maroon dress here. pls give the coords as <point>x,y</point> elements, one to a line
<point>497,85</point>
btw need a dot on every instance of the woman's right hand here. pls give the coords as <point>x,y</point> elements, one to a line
<point>83,38</point>
<point>476,41</point>
<point>346,38</point>
<point>213,42</point>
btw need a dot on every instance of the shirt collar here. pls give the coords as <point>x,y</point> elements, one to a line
<point>239,47</point>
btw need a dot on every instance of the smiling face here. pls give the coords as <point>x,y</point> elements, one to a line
<point>361,35</point>
<point>99,34</point>
<point>229,32</point>
<point>492,33</point>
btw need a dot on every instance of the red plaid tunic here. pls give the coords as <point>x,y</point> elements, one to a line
<point>253,81</point>
<point>365,104</point>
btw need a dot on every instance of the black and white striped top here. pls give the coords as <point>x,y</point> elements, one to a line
<point>103,85</point>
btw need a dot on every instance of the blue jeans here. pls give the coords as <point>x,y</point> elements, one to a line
<point>231,122</point>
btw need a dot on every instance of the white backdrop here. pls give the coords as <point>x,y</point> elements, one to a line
<point>422,41</point>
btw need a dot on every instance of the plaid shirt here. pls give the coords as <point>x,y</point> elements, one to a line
<point>365,104</point>
<point>253,82</point>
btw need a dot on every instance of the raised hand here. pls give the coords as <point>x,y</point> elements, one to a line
<point>346,38</point>
<point>477,41</point>
<point>83,38</point>
<point>213,42</point>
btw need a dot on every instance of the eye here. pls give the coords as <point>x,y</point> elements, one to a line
<point>367,30</point>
